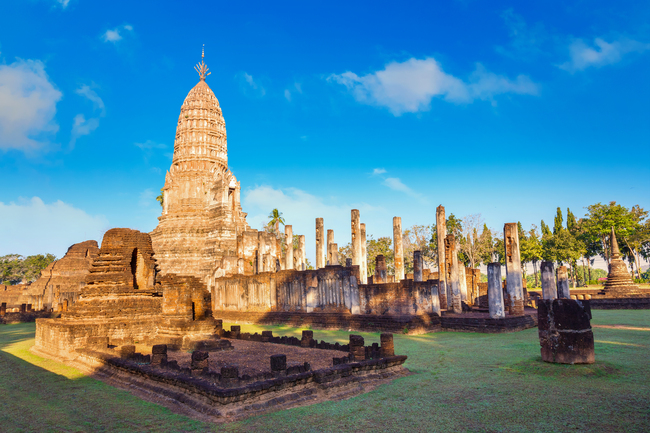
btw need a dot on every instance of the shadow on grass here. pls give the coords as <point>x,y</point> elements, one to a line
<point>535,366</point>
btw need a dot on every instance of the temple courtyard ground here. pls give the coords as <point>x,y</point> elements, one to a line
<point>461,382</point>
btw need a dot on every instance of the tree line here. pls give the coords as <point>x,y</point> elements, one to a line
<point>16,269</point>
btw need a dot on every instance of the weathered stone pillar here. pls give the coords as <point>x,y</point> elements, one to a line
<point>330,241</point>
<point>380,270</point>
<point>565,334</point>
<point>441,232</point>
<point>435,297</point>
<point>514,283</point>
<point>417,265</point>
<point>454,284</point>
<point>398,250</point>
<point>356,238</point>
<point>462,281</point>
<point>320,243</point>
<point>303,253</point>
<point>549,288</point>
<point>288,239</point>
<point>364,256</point>
<point>334,254</point>
<point>563,283</point>
<point>495,291</point>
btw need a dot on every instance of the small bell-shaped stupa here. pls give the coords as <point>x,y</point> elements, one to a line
<point>619,281</point>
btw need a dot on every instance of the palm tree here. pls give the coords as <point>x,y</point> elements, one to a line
<point>275,219</point>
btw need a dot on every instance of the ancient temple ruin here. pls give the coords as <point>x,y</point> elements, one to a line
<point>202,230</point>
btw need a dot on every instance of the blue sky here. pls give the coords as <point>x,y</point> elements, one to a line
<point>507,109</point>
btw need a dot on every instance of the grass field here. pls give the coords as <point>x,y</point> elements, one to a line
<point>462,382</point>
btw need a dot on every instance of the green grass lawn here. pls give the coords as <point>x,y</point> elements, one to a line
<point>462,382</point>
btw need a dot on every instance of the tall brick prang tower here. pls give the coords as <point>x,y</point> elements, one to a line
<point>202,215</point>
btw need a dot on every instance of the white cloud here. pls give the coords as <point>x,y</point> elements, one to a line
<point>378,171</point>
<point>117,34</point>
<point>409,87</point>
<point>82,126</point>
<point>297,88</point>
<point>148,148</point>
<point>27,106</point>
<point>86,91</point>
<point>34,227</point>
<point>64,3</point>
<point>287,94</point>
<point>396,184</point>
<point>250,86</point>
<point>600,54</point>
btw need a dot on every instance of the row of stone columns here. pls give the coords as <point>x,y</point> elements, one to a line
<point>550,288</point>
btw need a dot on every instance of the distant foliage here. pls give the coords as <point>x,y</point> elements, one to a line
<point>16,269</point>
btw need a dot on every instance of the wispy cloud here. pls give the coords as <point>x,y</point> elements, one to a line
<point>27,106</point>
<point>63,3</point>
<point>396,184</point>
<point>525,41</point>
<point>297,88</point>
<point>148,148</point>
<point>409,87</point>
<point>378,171</point>
<point>601,53</point>
<point>86,91</point>
<point>82,126</point>
<point>250,86</point>
<point>117,34</point>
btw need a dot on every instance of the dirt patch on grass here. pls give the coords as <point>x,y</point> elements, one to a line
<point>538,367</point>
<point>254,358</point>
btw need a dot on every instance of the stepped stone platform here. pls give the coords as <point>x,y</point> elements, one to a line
<point>220,386</point>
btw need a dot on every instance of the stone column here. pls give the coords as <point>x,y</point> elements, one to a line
<point>495,292</point>
<point>320,243</point>
<point>288,239</point>
<point>563,283</point>
<point>454,284</point>
<point>462,282</point>
<point>334,254</point>
<point>514,283</point>
<point>356,238</point>
<point>417,265</point>
<point>441,231</point>
<point>330,241</point>
<point>303,252</point>
<point>364,255</point>
<point>398,250</point>
<point>549,288</point>
<point>380,270</point>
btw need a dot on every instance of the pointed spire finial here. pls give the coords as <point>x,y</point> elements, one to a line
<point>615,252</point>
<point>202,68</point>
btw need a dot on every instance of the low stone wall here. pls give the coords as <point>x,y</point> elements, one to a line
<point>620,303</point>
<point>413,324</point>
<point>481,322</point>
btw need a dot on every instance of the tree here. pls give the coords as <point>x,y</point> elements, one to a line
<point>16,269</point>
<point>381,246</point>
<point>557,223</point>
<point>601,218</point>
<point>275,219</point>
<point>639,237</point>
<point>534,249</point>
<point>487,251</point>
<point>419,238</point>
<point>470,247</point>
<point>161,198</point>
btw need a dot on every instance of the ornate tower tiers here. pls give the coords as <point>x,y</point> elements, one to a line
<point>202,216</point>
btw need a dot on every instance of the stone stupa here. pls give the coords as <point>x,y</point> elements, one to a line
<point>619,282</point>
